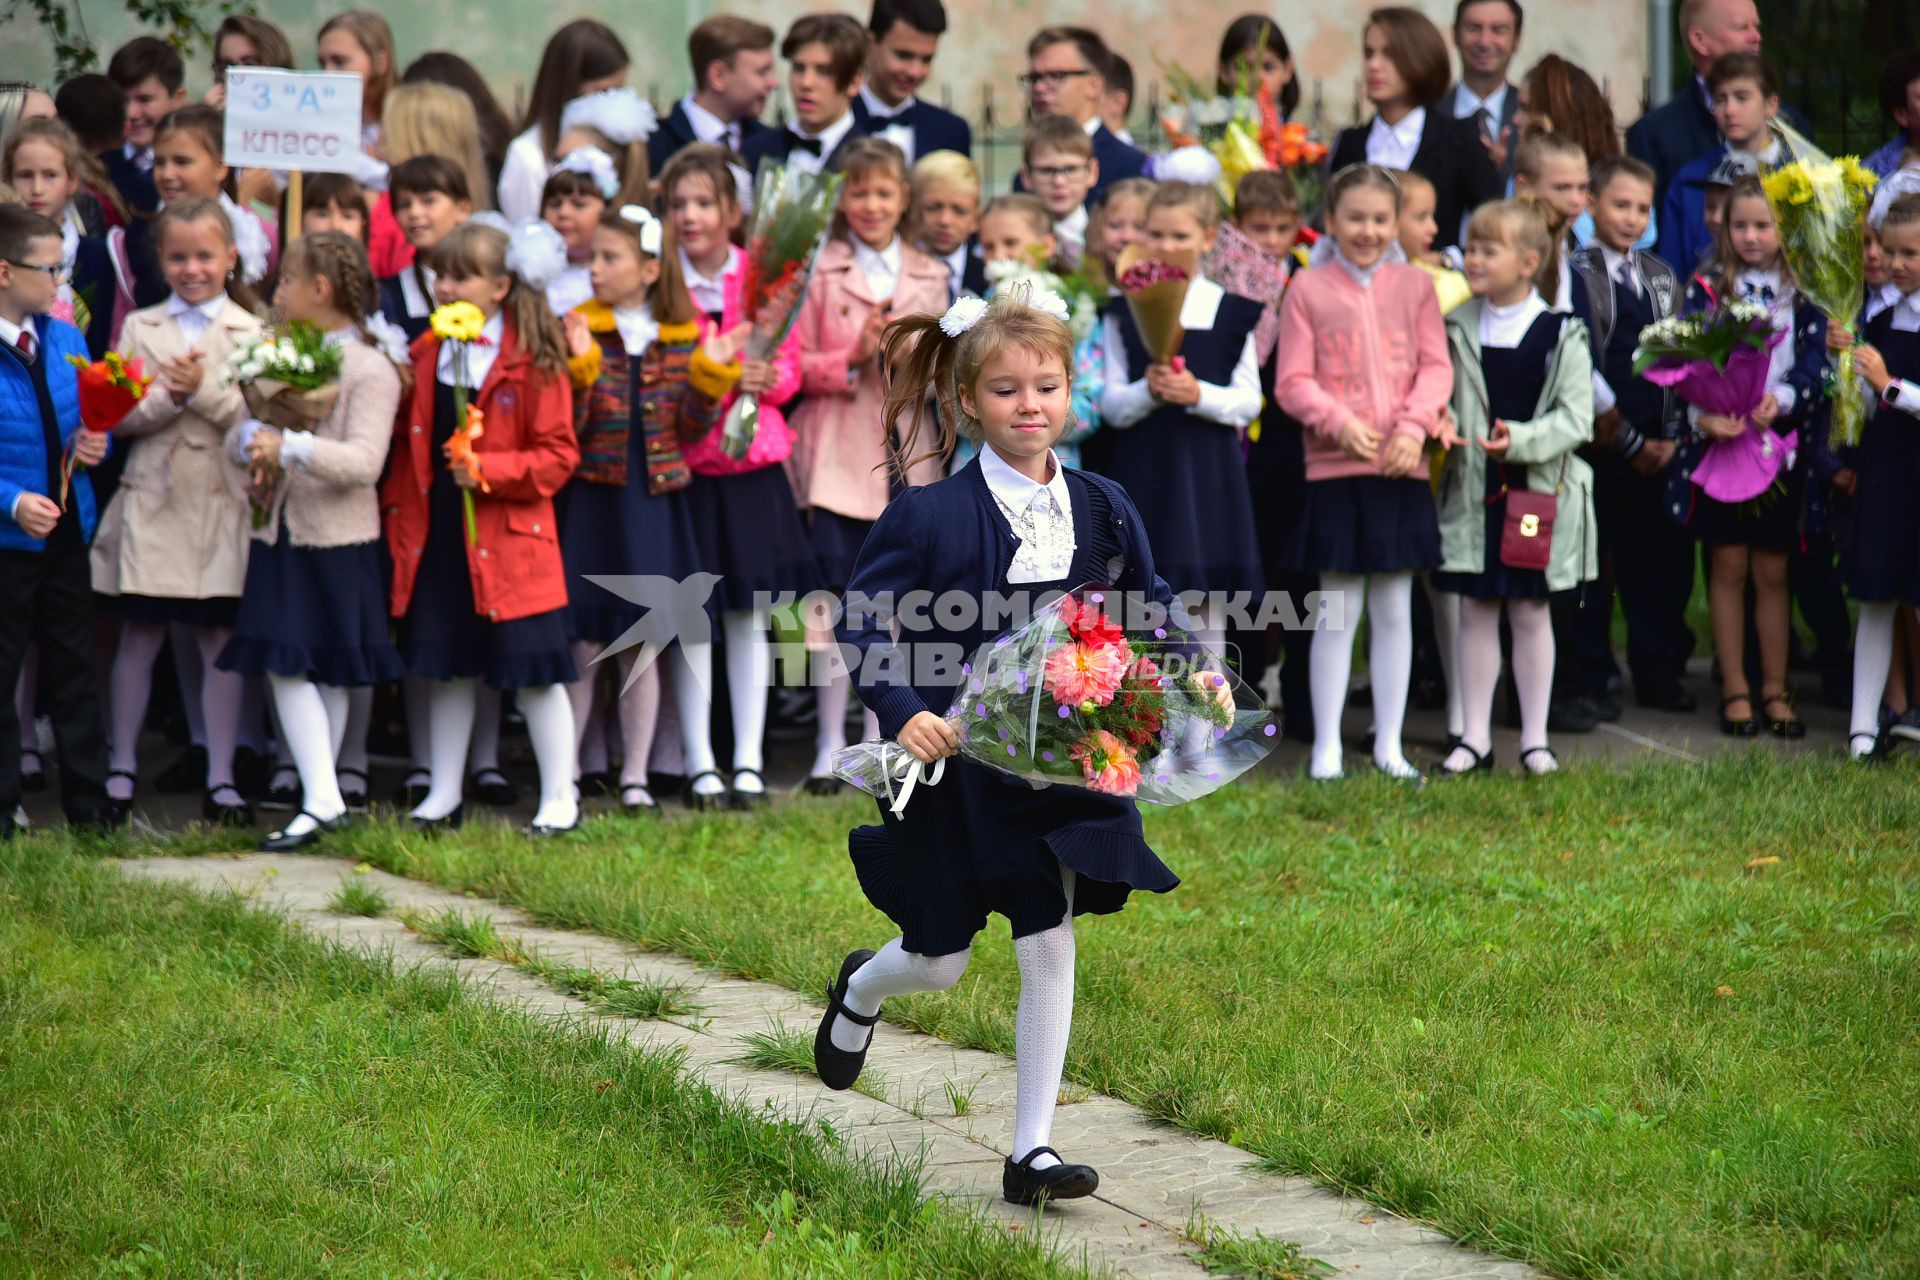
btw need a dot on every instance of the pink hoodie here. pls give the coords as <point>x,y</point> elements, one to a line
<point>1375,353</point>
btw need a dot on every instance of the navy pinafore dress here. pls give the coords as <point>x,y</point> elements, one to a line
<point>1881,559</point>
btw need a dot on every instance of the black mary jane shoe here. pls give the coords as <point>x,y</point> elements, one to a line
<point>410,792</point>
<point>1482,762</point>
<point>546,831</point>
<point>836,1067</point>
<point>596,782</point>
<point>1529,753</point>
<point>491,788</point>
<point>711,802</point>
<point>356,795</point>
<point>1021,1183</point>
<point>281,842</point>
<point>34,779</point>
<point>745,800</point>
<point>1794,728</point>
<point>1746,728</point>
<point>636,808</point>
<point>827,786</point>
<point>224,813</point>
<point>433,826</point>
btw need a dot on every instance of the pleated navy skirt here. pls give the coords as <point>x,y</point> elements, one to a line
<point>160,611</point>
<point>748,530</point>
<point>1189,481</point>
<point>318,612</point>
<point>1367,524</point>
<point>620,531</point>
<point>1880,560</point>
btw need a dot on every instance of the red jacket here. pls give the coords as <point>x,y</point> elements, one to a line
<point>527,451</point>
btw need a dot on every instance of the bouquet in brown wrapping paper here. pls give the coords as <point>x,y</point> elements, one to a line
<point>1155,286</point>
<point>291,382</point>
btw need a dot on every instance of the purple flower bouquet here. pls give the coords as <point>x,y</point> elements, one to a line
<point>1718,362</point>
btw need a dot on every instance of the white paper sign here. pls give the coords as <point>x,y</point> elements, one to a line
<point>307,120</point>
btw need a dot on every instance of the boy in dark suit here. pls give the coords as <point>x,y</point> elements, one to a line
<point>946,214</point>
<point>825,55</point>
<point>733,76</point>
<point>44,575</point>
<point>1618,291</point>
<point>904,35</point>
<point>149,71</point>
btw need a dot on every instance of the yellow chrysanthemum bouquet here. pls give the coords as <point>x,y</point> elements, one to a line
<point>1818,203</point>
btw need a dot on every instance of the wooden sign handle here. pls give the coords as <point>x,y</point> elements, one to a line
<point>293,208</point>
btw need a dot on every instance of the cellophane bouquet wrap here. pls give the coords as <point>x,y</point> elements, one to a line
<point>1238,265</point>
<point>109,388</point>
<point>1718,362</point>
<point>1074,698</point>
<point>1818,203</point>
<point>1243,131</point>
<point>291,381</point>
<point>1155,287</point>
<point>792,213</point>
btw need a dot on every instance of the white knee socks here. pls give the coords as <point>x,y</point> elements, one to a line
<point>893,971</point>
<point>1041,1027</point>
<point>449,731</point>
<point>549,719</point>
<point>749,675</point>
<point>307,732</point>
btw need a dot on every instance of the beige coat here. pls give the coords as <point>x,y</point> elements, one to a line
<point>333,501</point>
<point>177,527</point>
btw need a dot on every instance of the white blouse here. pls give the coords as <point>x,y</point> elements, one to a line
<point>1040,515</point>
<point>1237,404</point>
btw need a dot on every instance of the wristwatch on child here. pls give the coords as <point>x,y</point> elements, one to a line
<point>1891,397</point>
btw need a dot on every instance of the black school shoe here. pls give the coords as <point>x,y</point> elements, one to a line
<point>1023,1184</point>
<point>837,1068</point>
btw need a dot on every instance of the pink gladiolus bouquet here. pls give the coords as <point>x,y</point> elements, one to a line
<point>1075,698</point>
<point>1718,362</point>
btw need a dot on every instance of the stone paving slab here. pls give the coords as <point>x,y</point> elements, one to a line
<point>1153,1179</point>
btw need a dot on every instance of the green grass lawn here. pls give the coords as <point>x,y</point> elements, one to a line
<point>188,1088</point>
<point>1655,1023</point>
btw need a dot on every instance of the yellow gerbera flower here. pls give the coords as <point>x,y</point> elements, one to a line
<point>457,322</point>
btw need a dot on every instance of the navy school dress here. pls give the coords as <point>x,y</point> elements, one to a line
<point>444,638</point>
<point>748,530</point>
<point>1880,561</point>
<point>1187,474</point>
<point>1515,378</point>
<point>1358,525</point>
<point>621,530</point>
<point>981,842</point>
<point>317,612</point>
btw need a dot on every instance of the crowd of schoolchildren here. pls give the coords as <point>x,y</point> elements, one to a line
<point>1449,402</point>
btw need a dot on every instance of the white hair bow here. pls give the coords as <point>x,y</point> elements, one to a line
<point>1902,182</point>
<point>649,225</point>
<point>536,254</point>
<point>595,164</point>
<point>621,115</point>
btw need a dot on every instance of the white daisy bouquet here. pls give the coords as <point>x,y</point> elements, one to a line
<point>291,381</point>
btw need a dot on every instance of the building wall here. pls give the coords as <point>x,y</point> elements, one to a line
<point>983,51</point>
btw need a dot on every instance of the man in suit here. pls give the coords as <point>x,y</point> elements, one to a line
<point>733,76</point>
<point>904,35</point>
<point>825,55</point>
<point>1487,34</point>
<point>1067,75</point>
<point>1682,129</point>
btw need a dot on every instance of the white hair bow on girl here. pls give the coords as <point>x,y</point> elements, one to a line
<point>595,164</point>
<point>649,225</point>
<point>966,312</point>
<point>621,115</point>
<point>536,254</point>
<point>1902,182</point>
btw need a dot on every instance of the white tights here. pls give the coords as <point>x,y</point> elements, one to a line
<point>1872,663</point>
<point>132,686</point>
<point>313,723</point>
<point>450,714</point>
<point>1042,1023</point>
<point>1387,599</point>
<point>639,708</point>
<point>749,676</point>
<point>1479,659</point>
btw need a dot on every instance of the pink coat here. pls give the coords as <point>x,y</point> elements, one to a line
<point>1378,354</point>
<point>840,444</point>
<point>773,441</point>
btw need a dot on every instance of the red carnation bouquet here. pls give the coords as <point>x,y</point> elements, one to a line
<point>792,213</point>
<point>109,388</point>
<point>1076,698</point>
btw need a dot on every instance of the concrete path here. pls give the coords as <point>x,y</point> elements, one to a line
<point>1154,1179</point>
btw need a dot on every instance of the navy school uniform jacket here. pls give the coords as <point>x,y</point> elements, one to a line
<point>1117,160</point>
<point>94,286</point>
<point>1450,156</point>
<point>393,305</point>
<point>135,184</point>
<point>1614,316</point>
<point>675,134</point>
<point>934,128</point>
<point>950,537</point>
<point>777,143</point>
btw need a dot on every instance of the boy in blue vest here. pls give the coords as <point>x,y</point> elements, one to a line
<point>44,577</point>
<point>1619,290</point>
